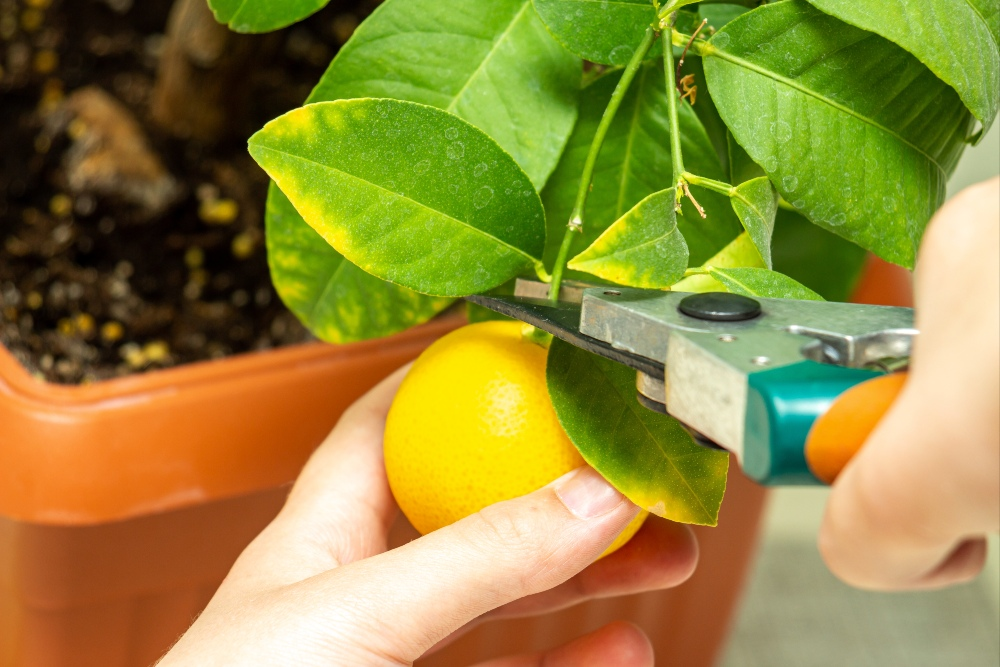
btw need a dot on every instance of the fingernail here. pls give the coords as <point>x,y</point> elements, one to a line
<point>586,494</point>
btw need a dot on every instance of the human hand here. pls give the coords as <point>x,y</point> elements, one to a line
<point>318,586</point>
<point>912,507</point>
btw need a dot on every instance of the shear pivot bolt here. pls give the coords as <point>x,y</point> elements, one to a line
<point>719,307</point>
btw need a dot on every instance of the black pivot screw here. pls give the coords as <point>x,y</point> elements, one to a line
<point>720,307</point>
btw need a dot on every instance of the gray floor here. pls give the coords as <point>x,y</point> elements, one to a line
<point>797,614</point>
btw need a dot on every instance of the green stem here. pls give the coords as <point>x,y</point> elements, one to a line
<point>697,47</point>
<point>672,95</point>
<point>672,7</point>
<point>576,217</point>
<point>708,183</point>
<point>560,265</point>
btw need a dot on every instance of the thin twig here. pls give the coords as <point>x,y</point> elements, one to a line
<point>687,193</point>
<point>680,63</point>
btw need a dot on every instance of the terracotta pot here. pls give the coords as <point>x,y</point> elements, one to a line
<point>183,436</point>
<point>123,504</point>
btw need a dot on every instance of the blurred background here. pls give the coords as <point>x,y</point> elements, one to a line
<point>118,592</point>
<point>796,613</point>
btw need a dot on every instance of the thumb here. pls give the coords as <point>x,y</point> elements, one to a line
<point>502,553</point>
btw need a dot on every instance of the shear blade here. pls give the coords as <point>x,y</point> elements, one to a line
<point>562,320</point>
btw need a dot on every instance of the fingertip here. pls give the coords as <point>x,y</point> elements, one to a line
<point>634,649</point>
<point>619,643</point>
<point>962,565</point>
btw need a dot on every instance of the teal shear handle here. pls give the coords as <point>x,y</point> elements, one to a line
<point>804,403</point>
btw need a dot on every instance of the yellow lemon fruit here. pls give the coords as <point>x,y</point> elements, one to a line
<point>472,425</point>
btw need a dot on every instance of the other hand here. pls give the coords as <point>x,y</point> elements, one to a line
<point>319,587</point>
<point>911,510</point>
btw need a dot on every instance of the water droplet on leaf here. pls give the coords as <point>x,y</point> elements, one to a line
<point>621,54</point>
<point>781,131</point>
<point>482,197</point>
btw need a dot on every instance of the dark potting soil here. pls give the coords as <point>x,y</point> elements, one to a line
<point>94,286</point>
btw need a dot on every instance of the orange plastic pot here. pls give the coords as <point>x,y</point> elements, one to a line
<point>179,437</point>
<point>123,505</point>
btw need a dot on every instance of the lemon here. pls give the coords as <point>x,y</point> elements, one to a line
<point>472,425</point>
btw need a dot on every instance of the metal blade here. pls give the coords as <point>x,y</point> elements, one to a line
<point>562,320</point>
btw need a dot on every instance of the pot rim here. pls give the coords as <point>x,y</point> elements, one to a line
<point>17,383</point>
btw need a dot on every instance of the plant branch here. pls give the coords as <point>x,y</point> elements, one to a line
<point>676,155</point>
<point>701,48</point>
<point>672,7</point>
<point>575,224</point>
<point>680,63</point>
<point>708,184</point>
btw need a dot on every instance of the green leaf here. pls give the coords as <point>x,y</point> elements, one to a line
<point>719,14</point>
<point>262,15</point>
<point>823,262</point>
<point>647,456</point>
<point>756,204</point>
<point>854,131</point>
<point>741,167</point>
<point>763,283</point>
<point>336,300</point>
<point>959,40</point>
<point>741,252</point>
<point>491,63</point>
<point>409,193</point>
<point>505,75</point>
<point>706,111</point>
<point>606,31</point>
<point>643,248</point>
<point>633,164</point>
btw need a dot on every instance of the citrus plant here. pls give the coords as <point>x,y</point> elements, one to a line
<point>757,148</point>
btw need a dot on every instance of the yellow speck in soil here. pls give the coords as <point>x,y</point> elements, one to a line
<point>85,324</point>
<point>46,61</point>
<point>31,20</point>
<point>194,257</point>
<point>218,211</point>
<point>112,332</point>
<point>38,4</point>
<point>344,26</point>
<point>66,327</point>
<point>157,351</point>
<point>52,95</point>
<point>33,300</point>
<point>77,129</point>
<point>133,355</point>
<point>243,245</point>
<point>61,205</point>
<point>10,313</point>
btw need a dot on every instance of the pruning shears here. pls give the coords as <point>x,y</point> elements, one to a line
<point>753,376</point>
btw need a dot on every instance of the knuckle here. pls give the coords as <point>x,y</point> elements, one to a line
<point>521,541</point>
<point>501,527</point>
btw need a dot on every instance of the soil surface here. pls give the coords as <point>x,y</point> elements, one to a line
<point>123,249</point>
